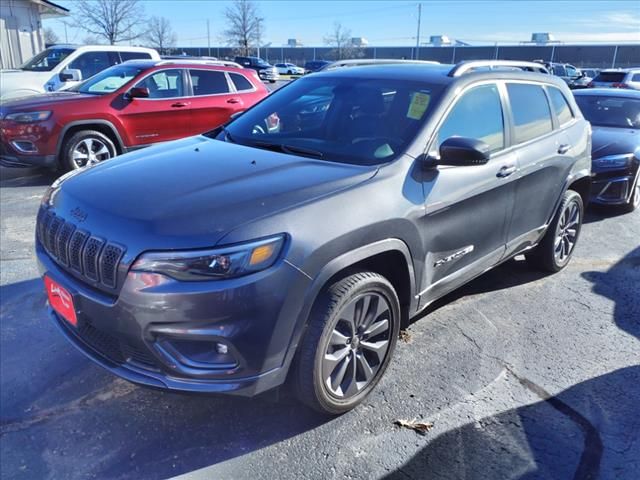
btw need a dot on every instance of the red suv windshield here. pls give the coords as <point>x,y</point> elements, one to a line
<point>109,80</point>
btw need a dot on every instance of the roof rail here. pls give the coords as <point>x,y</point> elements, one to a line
<point>219,63</point>
<point>467,66</point>
<point>370,61</point>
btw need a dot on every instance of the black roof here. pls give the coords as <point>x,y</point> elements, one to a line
<point>608,92</point>
<point>436,74</point>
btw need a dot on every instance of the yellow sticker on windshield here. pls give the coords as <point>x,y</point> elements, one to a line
<point>418,106</point>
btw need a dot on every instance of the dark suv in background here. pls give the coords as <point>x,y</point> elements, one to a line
<point>265,70</point>
<point>293,242</point>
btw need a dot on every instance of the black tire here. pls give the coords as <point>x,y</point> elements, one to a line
<point>548,255</point>
<point>324,323</point>
<point>634,201</point>
<point>289,72</point>
<point>76,141</point>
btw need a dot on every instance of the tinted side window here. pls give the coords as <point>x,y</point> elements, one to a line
<point>636,77</point>
<point>559,70</point>
<point>240,82</point>
<point>531,113</point>
<point>91,63</point>
<point>164,84</point>
<point>478,114</point>
<point>133,55</point>
<point>208,82</point>
<point>560,106</point>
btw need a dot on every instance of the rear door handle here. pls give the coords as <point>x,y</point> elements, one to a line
<point>562,149</point>
<point>180,104</point>
<point>506,171</point>
<point>233,100</point>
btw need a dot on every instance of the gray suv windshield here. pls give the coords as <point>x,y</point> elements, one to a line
<point>360,121</point>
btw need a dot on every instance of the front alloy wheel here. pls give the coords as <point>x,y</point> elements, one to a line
<point>350,339</point>
<point>357,346</point>
<point>87,148</point>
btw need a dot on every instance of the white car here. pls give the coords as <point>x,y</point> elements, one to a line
<point>62,66</point>
<point>289,69</point>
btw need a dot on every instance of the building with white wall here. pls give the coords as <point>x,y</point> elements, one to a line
<point>21,29</point>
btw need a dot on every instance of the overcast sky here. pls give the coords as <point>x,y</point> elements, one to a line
<point>395,22</point>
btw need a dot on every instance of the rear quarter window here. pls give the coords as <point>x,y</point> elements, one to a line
<point>560,106</point>
<point>530,110</point>
<point>635,77</point>
<point>241,83</point>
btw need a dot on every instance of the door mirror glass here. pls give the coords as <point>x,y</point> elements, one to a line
<point>461,151</point>
<point>139,92</point>
<point>70,75</point>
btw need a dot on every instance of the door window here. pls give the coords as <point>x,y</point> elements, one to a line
<point>164,84</point>
<point>240,82</point>
<point>530,109</point>
<point>134,56</point>
<point>208,82</point>
<point>560,106</point>
<point>91,63</point>
<point>478,114</point>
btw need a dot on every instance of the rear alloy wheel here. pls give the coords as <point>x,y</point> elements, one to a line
<point>87,148</point>
<point>634,201</point>
<point>555,250</point>
<point>349,343</point>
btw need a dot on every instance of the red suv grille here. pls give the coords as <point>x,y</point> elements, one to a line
<point>89,257</point>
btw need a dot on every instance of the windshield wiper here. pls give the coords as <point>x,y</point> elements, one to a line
<point>289,149</point>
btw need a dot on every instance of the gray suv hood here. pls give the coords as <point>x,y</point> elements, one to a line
<point>190,193</point>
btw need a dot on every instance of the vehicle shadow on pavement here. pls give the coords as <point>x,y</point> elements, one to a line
<point>26,177</point>
<point>598,213</point>
<point>57,405</point>
<point>587,431</point>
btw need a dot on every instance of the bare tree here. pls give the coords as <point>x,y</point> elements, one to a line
<point>91,40</point>
<point>245,25</point>
<point>50,37</point>
<point>160,35</point>
<point>340,40</point>
<point>113,20</point>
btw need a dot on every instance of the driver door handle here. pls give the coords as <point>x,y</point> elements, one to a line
<point>233,100</point>
<point>562,149</point>
<point>506,171</point>
<point>180,104</point>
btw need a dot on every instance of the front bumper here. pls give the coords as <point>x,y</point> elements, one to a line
<point>268,75</point>
<point>37,135</point>
<point>613,187</point>
<point>162,333</point>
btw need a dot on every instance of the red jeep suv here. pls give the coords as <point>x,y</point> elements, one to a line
<point>127,106</point>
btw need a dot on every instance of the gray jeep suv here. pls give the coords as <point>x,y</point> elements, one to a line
<point>292,243</point>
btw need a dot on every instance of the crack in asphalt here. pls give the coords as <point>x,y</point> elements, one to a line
<point>116,389</point>
<point>589,464</point>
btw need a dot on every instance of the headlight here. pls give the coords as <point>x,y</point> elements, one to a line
<point>613,161</point>
<point>219,263</point>
<point>28,117</point>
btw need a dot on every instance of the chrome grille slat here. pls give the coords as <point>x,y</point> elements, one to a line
<point>94,259</point>
<point>90,257</point>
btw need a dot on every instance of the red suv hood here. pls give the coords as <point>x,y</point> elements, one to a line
<point>45,100</point>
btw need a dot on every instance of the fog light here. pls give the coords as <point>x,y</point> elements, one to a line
<point>24,146</point>
<point>222,349</point>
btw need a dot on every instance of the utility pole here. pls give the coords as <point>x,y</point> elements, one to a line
<point>418,34</point>
<point>208,39</point>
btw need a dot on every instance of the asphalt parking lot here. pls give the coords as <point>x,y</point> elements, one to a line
<point>522,375</point>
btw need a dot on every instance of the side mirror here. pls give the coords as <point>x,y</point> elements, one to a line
<point>70,75</point>
<point>462,151</point>
<point>138,92</point>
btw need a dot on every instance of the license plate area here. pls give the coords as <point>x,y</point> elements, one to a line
<point>61,300</point>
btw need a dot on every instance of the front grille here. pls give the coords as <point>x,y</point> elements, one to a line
<point>110,347</point>
<point>90,257</point>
